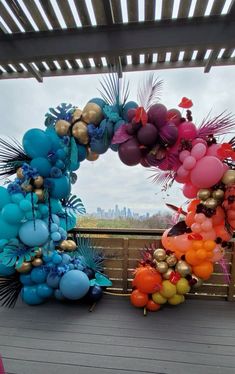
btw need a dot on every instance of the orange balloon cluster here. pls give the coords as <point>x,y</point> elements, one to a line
<point>200,257</point>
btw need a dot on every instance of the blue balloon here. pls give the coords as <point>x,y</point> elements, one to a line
<point>58,295</point>
<point>114,147</point>
<point>66,259</point>
<point>60,187</point>
<point>56,206</point>
<point>44,291</point>
<point>60,164</point>
<point>43,209</point>
<point>8,231</point>
<point>36,143</point>
<point>32,197</point>
<point>108,126</point>
<point>53,280</point>
<point>82,152</point>
<point>38,275</point>
<point>54,227</point>
<point>54,138</point>
<point>68,224</point>
<point>30,215</point>
<point>57,259</point>
<point>74,166</point>
<point>30,296</point>
<point>42,165</point>
<point>11,213</point>
<point>25,205</point>
<point>17,197</point>
<point>98,101</point>
<point>74,284</point>
<point>55,236</point>
<point>6,270</point>
<point>61,154</point>
<point>5,197</point>
<point>129,105</point>
<point>34,233</point>
<point>26,279</point>
<point>99,146</point>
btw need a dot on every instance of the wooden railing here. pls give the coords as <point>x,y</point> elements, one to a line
<point>122,250</point>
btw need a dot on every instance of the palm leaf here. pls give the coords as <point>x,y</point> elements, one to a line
<point>115,91</point>
<point>62,111</point>
<point>149,91</point>
<point>73,205</point>
<point>10,289</point>
<point>12,156</point>
<point>89,254</point>
<point>222,124</point>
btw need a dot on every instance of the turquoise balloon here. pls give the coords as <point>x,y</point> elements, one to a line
<point>54,138</point>
<point>60,187</point>
<point>82,152</point>
<point>99,146</point>
<point>17,197</point>
<point>56,206</point>
<point>6,271</point>
<point>69,224</point>
<point>5,197</point>
<point>43,209</point>
<point>25,205</point>
<point>32,197</point>
<point>98,101</point>
<point>44,291</point>
<point>8,231</point>
<point>26,279</point>
<point>36,143</point>
<point>34,233</point>
<point>74,284</point>
<point>11,213</point>
<point>38,275</point>
<point>129,105</point>
<point>42,165</point>
<point>53,281</point>
<point>30,296</point>
<point>108,126</point>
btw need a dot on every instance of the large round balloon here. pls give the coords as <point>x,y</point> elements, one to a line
<point>207,172</point>
<point>129,152</point>
<point>34,233</point>
<point>36,143</point>
<point>30,296</point>
<point>8,231</point>
<point>157,115</point>
<point>42,165</point>
<point>74,284</point>
<point>147,135</point>
<point>12,214</point>
<point>60,187</point>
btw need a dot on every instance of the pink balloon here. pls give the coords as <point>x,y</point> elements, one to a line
<point>187,130</point>
<point>200,218</point>
<point>196,227</point>
<point>199,141</point>
<point>212,150</point>
<point>226,167</point>
<point>182,172</point>
<point>198,151</point>
<point>167,241</point>
<point>209,235</point>
<point>182,243</point>
<point>189,163</point>
<point>207,172</point>
<point>190,191</point>
<point>185,179</point>
<point>183,155</point>
<point>206,225</point>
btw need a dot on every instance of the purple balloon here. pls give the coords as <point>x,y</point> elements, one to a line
<point>147,134</point>
<point>131,114</point>
<point>169,133</point>
<point>157,115</point>
<point>131,128</point>
<point>174,115</point>
<point>129,152</point>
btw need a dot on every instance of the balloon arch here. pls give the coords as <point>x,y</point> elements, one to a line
<point>38,261</point>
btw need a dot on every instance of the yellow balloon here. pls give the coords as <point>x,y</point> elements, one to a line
<point>176,299</point>
<point>92,113</point>
<point>168,289</point>
<point>158,298</point>
<point>62,127</point>
<point>182,286</point>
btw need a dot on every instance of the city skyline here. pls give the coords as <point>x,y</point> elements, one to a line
<point>116,212</point>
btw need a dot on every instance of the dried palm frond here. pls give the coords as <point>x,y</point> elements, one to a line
<point>115,91</point>
<point>222,124</point>
<point>10,289</point>
<point>12,156</point>
<point>149,91</point>
<point>88,254</point>
<point>161,177</point>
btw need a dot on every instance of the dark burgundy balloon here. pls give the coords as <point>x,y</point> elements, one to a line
<point>130,114</point>
<point>144,162</point>
<point>147,134</point>
<point>129,129</point>
<point>169,133</point>
<point>156,156</point>
<point>174,115</point>
<point>157,115</point>
<point>129,152</point>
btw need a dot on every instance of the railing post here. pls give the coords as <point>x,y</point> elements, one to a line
<point>231,290</point>
<point>125,265</point>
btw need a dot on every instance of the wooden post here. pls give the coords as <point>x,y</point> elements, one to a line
<point>231,291</point>
<point>125,265</point>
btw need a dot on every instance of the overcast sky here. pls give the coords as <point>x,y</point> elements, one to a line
<point>106,182</point>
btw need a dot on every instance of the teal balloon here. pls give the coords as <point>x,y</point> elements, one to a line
<point>11,213</point>
<point>42,165</point>
<point>56,206</point>
<point>34,233</point>
<point>44,291</point>
<point>108,126</point>
<point>6,271</point>
<point>32,197</point>
<point>74,166</point>
<point>82,152</point>
<point>68,224</point>
<point>36,143</point>
<point>5,197</point>
<point>74,284</point>
<point>38,275</point>
<point>128,105</point>
<point>26,279</point>
<point>25,205</point>
<point>99,146</point>
<point>7,230</point>
<point>61,154</point>
<point>43,209</point>
<point>60,187</point>
<point>54,139</point>
<point>17,197</point>
<point>53,280</point>
<point>30,296</point>
<point>98,101</point>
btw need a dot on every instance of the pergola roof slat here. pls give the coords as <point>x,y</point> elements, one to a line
<point>167,9</point>
<point>200,8</point>
<point>37,17</point>
<point>103,12</point>
<point>150,10</point>
<point>18,12</point>
<point>217,7</point>
<point>67,14</point>
<point>117,12</point>
<point>184,8</point>
<point>8,19</point>
<point>50,13</point>
<point>83,12</point>
<point>132,8</point>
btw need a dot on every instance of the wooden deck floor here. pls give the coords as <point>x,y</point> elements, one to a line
<point>197,337</point>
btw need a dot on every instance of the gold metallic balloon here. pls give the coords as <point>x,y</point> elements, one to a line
<point>229,177</point>
<point>159,254</point>
<point>211,203</point>
<point>167,274</point>
<point>38,182</point>
<point>24,268</point>
<point>204,194</point>
<point>38,253</point>
<point>92,113</point>
<point>79,131</point>
<point>76,115</point>
<point>171,260</point>
<point>161,267</point>
<point>40,194</point>
<point>62,127</point>
<point>37,262</point>
<point>27,187</point>
<point>19,173</point>
<point>63,245</point>
<point>91,156</point>
<point>199,281</point>
<point>218,194</point>
<point>183,268</point>
<point>71,245</point>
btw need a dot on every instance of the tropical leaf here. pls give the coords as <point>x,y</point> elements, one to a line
<point>73,205</point>
<point>115,91</point>
<point>222,124</point>
<point>149,91</point>
<point>179,229</point>
<point>10,289</point>
<point>12,156</point>
<point>88,254</point>
<point>101,280</point>
<point>62,111</point>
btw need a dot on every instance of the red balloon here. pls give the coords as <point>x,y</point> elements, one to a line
<point>147,280</point>
<point>139,299</point>
<point>147,135</point>
<point>152,306</point>
<point>129,152</point>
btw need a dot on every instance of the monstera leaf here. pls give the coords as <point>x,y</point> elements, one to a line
<point>73,206</point>
<point>100,280</point>
<point>62,111</point>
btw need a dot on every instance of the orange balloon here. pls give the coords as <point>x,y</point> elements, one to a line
<point>193,205</point>
<point>139,299</point>
<point>197,244</point>
<point>222,233</point>
<point>231,214</point>
<point>189,219</point>
<point>209,245</point>
<point>152,306</point>
<point>192,258</point>
<point>167,242</point>
<point>182,243</point>
<point>204,270</point>
<point>201,254</point>
<point>148,280</point>
<point>218,217</point>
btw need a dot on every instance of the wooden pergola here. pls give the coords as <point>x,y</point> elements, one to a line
<point>44,38</point>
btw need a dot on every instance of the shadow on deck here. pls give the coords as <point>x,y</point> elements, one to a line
<point>195,337</point>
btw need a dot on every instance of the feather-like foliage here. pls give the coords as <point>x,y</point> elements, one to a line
<point>115,91</point>
<point>62,111</point>
<point>73,205</point>
<point>149,91</point>
<point>12,156</point>
<point>222,124</point>
<point>88,254</point>
<point>10,288</point>
<point>163,178</point>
